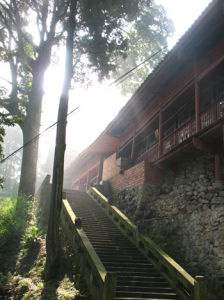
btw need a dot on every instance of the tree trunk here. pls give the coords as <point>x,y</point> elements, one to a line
<point>52,240</point>
<point>31,127</point>
<point>29,159</point>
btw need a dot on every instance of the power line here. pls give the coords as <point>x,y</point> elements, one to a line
<point>122,78</point>
<point>38,135</point>
<point>133,69</point>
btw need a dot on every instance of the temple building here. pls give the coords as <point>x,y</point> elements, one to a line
<point>178,109</point>
<point>163,152</point>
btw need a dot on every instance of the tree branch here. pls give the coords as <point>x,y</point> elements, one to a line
<point>11,105</point>
<point>21,35</point>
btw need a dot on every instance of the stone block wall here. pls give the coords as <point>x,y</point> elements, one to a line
<point>184,215</point>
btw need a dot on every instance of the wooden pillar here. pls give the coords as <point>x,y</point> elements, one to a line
<point>100,170</point>
<point>223,137</point>
<point>160,133</point>
<point>197,107</point>
<point>133,148</point>
<point>200,291</point>
<point>79,185</point>
<point>88,181</point>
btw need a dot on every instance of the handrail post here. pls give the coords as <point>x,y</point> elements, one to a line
<point>200,292</point>
<point>109,286</point>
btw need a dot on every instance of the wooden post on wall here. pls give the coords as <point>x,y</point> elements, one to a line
<point>197,107</point>
<point>79,185</point>
<point>160,132</point>
<point>100,170</point>
<point>218,167</point>
<point>88,181</point>
<point>133,147</point>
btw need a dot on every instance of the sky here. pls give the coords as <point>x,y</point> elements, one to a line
<point>99,104</point>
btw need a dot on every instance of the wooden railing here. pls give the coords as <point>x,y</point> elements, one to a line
<point>207,117</point>
<point>186,286</point>
<point>211,115</point>
<point>179,136</point>
<point>150,155</point>
<point>101,283</point>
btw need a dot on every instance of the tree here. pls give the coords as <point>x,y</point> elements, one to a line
<point>52,240</point>
<point>147,38</point>
<point>10,169</point>
<point>28,58</point>
<point>5,120</point>
<point>99,39</point>
<point>95,38</point>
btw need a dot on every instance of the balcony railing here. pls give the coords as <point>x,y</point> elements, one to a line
<point>208,117</point>
<point>179,136</point>
<point>211,114</point>
<point>151,155</point>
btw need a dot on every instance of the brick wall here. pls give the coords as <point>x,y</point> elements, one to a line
<point>132,177</point>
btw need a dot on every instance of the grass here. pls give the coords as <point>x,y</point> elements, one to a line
<point>23,257</point>
<point>7,217</point>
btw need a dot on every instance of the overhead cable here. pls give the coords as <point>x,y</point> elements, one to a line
<point>38,135</point>
<point>136,67</point>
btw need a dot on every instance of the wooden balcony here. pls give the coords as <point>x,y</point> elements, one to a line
<point>151,155</point>
<point>179,136</point>
<point>211,114</point>
<point>182,134</point>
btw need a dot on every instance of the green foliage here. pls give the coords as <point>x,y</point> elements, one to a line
<point>31,237</point>
<point>105,30</point>
<point>7,214</point>
<point>5,120</point>
<point>145,36</point>
<point>13,218</point>
<point>10,169</point>
<point>2,279</point>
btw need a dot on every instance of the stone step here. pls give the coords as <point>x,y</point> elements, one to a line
<point>146,298</point>
<point>121,269</point>
<point>137,279</point>
<point>125,264</point>
<point>158,289</point>
<point>140,273</point>
<point>141,283</point>
<point>121,258</point>
<point>153,295</point>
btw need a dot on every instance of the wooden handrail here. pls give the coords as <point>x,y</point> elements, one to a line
<point>101,283</point>
<point>185,285</point>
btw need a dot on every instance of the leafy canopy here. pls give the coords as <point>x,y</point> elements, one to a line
<point>107,32</point>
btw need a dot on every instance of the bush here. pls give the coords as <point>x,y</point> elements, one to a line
<point>7,215</point>
<point>31,237</point>
<point>13,218</point>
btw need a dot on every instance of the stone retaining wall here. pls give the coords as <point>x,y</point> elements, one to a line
<point>185,215</point>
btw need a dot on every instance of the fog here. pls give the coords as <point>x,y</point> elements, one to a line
<point>97,106</point>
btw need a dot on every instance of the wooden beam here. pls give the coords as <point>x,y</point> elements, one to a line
<point>133,147</point>
<point>210,68</point>
<point>100,170</point>
<point>197,107</point>
<point>218,167</point>
<point>160,133</point>
<point>207,147</point>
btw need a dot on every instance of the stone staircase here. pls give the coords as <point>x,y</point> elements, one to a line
<point>136,277</point>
